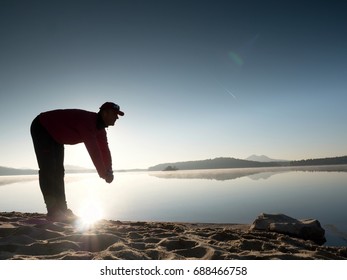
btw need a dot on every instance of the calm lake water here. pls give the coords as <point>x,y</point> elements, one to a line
<point>206,196</point>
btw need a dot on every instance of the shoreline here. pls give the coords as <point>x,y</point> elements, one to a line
<point>30,236</point>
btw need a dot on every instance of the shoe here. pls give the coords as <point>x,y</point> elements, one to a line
<point>56,216</point>
<point>70,214</point>
<point>61,216</point>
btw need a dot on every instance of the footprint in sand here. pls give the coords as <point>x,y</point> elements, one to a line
<point>93,242</point>
<point>7,229</point>
<point>187,248</point>
<point>177,243</point>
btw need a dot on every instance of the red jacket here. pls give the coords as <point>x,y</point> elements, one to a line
<point>72,126</point>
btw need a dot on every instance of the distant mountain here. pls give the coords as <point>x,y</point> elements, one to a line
<point>264,158</point>
<point>216,163</point>
<point>219,163</point>
<point>4,171</point>
<point>7,171</point>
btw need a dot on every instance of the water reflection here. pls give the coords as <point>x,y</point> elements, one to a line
<point>6,180</point>
<point>235,173</point>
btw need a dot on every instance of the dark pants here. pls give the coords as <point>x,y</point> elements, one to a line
<point>50,158</point>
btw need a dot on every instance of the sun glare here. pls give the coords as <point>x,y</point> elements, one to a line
<point>90,213</point>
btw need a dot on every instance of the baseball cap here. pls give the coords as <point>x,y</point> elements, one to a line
<point>111,105</point>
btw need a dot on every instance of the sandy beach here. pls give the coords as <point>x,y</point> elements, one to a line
<point>30,236</point>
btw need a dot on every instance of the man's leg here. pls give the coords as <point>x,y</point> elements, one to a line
<point>47,152</point>
<point>59,179</point>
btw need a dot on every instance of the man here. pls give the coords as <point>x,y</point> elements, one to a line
<point>51,130</point>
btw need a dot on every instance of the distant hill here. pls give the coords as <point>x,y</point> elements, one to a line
<point>7,171</point>
<point>4,171</point>
<point>320,161</point>
<point>224,162</point>
<point>216,163</point>
<point>264,158</point>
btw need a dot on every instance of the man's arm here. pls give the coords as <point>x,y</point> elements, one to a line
<point>97,147</point>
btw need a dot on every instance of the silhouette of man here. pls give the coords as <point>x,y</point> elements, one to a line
<point>51,130</point>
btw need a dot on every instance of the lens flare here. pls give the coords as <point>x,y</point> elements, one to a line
<point>236,58</point>
<point>90,213</point>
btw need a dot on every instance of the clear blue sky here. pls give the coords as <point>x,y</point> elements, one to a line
<point>196,79</point>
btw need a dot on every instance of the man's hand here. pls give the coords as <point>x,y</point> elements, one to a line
<point>109,176</point>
